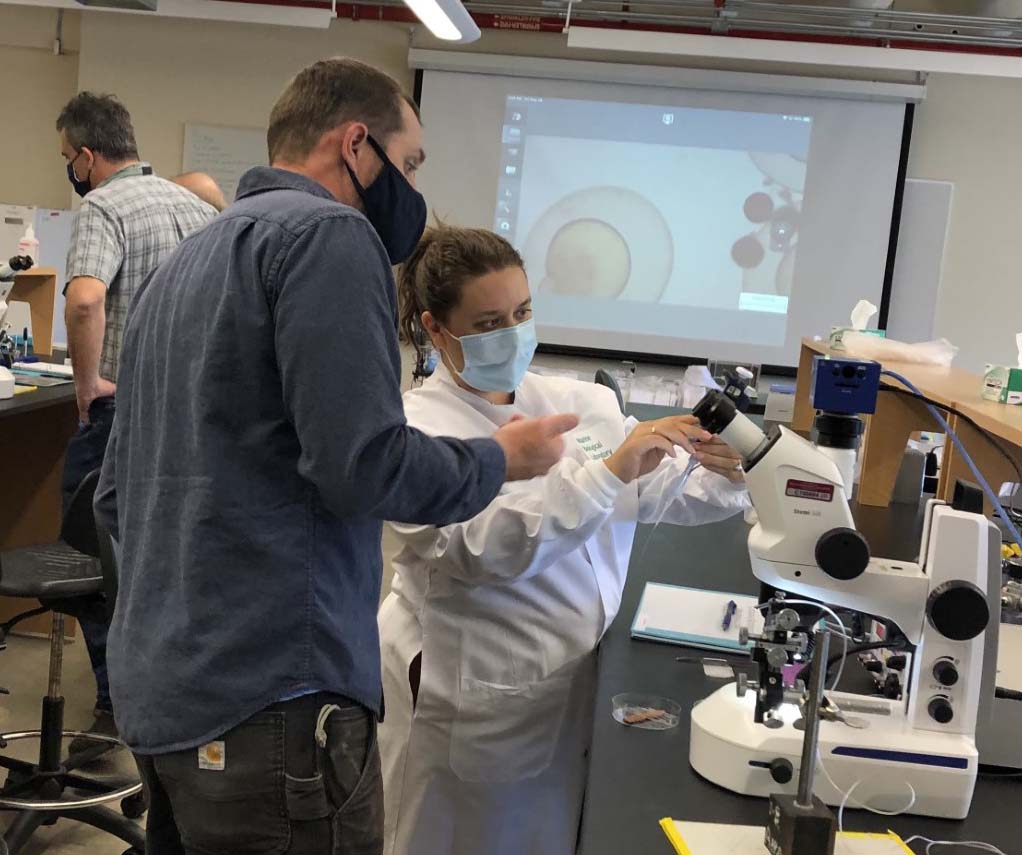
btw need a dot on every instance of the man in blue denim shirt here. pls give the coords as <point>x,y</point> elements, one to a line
<point>259,441</point>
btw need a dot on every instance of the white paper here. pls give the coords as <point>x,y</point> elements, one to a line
<point>1018,344</point>
<point>1009,657</point>
<point>695,613</point>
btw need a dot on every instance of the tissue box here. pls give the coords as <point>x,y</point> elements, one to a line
<point>837,333</point>
<point>1002,383</point>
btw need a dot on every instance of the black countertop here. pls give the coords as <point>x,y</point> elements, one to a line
<point>636,777</point>
<point>43,397</point>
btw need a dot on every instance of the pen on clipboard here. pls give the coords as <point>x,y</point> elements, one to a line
<point>729,613</point>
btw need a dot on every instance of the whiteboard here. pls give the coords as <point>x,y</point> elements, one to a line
<point>223,152</point>
<point>919,264</point>
<point>53,230</point>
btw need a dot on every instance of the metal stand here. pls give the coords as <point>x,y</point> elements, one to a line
<point>802,824</point>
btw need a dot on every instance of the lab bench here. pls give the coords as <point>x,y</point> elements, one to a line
<point>898,416</point>
<point>35,428</point>
<point>636,777</point>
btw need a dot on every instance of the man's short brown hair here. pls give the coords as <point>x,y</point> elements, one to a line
<point>329,93</point>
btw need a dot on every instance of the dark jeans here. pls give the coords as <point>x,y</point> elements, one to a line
<point>84,454</point>
<point>279,790</point>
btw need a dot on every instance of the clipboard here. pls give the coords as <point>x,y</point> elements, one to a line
<point>692,617</point>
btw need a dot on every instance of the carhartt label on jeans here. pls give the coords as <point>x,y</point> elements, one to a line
<point>213,756</point>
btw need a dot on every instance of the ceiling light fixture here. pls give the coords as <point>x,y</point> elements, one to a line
<point>446,19</point>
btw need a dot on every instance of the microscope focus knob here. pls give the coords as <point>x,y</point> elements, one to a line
<point>940,710</point>
<point>782,771</point>
<point>958,610</point>
<point>945,672</point>
<point>842,554</point>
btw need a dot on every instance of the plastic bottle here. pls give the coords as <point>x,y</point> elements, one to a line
<point>29,244</point>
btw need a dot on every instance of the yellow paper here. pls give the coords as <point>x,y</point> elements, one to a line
<point>705,838</point>
<point>21,390</point>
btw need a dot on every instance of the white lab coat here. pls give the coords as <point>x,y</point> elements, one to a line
<point>507,610</point>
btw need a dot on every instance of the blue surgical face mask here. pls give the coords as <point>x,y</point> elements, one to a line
<point>497,361</point>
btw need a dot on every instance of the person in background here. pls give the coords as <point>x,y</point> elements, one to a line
<point>489,636</point>
<point>203,186</point>
<point>129,221</point>
<point>247,484</point>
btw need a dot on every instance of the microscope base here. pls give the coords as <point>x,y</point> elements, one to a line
<point>888,756</point>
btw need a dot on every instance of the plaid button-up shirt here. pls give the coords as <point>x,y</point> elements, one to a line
<point>126,226</point>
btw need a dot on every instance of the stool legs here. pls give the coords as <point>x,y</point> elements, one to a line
<point>23,827</point>
<point>51,777</point>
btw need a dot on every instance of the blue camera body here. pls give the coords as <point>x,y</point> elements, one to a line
<point>845,386</point>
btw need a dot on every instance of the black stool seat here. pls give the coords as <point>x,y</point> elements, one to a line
<point>53,570</point>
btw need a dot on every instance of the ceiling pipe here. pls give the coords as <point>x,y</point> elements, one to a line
<point>510,16</point>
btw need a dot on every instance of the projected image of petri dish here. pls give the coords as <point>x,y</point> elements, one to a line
<point>573,268</point>
<point>607,242</point>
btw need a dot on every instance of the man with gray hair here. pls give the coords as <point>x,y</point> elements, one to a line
<point>129,221</point>
<point>247,485</point>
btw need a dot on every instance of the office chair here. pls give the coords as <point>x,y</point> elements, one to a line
<point>67,577</point>
<point>605,378</point>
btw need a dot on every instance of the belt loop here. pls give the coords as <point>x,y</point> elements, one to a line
<point>324,713</point>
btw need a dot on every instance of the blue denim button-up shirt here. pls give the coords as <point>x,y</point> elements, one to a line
<point>259,442</point>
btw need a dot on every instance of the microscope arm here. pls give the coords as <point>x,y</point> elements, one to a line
<point>805,541</point>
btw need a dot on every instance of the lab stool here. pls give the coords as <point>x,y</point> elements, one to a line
<point>67,577</point>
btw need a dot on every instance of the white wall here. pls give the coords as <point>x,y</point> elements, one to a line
<point>34,86</point>
<point>968,131</point>
<point>169,72</point>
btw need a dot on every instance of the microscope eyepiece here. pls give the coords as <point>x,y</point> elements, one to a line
<point>717,414</point>
<point>715,411</point>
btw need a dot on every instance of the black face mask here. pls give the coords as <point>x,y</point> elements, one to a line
<point>396,209</point>
<point>81,185</point>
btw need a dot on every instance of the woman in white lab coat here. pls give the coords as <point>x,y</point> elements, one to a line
<point>490,632</point>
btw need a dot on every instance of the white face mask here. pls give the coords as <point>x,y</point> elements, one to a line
<point>497,361</point>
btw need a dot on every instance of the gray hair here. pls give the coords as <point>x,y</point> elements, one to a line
<point>99,123</point>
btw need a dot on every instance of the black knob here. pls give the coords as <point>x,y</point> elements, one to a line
<point>945,672</point>
<point>842,553</point>
<point>897,662</point>
<point>958,610</point>
<point>782,771</point>
<point>941,710</point>
<point>892,687</point>
<point>874,666</point>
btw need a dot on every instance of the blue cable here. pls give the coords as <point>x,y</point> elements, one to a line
<point>1012,530</point>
